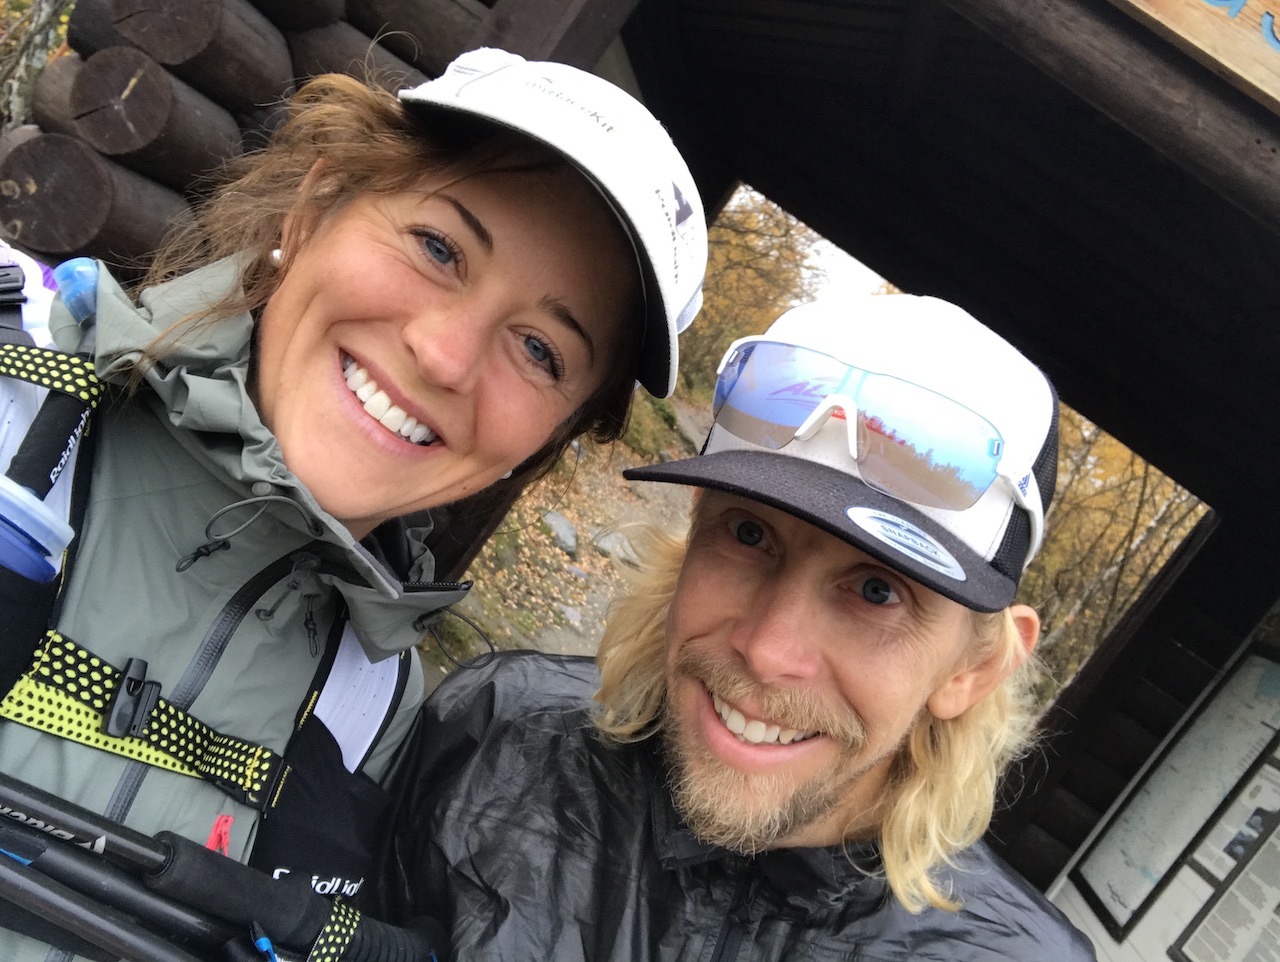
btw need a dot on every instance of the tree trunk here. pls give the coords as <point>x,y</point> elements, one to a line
<point>32,53</point>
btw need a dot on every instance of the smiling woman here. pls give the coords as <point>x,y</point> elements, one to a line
<point>398,302</point>
<point>501,293</point>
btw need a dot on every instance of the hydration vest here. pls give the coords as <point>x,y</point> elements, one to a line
<point>319,813</point>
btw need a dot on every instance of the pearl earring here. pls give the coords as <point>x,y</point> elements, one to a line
<point>275,257</point>
<point>506,476</point>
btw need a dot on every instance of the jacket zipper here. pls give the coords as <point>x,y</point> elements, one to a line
<point>202,666</point>
<point>729,942</point>
<point>214,643</point>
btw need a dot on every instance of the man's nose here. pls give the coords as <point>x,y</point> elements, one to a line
<point>777,636</point>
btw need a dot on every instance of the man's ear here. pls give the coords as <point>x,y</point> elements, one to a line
<point>971,683</point>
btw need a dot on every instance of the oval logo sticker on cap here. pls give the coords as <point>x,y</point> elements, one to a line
<point>907,538</point>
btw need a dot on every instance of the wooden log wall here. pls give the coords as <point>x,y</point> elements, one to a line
<point>152,96</point>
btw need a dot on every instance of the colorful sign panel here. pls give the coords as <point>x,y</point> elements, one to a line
<point>1237,39</point>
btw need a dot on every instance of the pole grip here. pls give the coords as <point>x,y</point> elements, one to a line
<point>287,908</point>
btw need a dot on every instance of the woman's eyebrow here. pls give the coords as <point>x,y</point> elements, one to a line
<point>558,309</point>
<point>473,222</point>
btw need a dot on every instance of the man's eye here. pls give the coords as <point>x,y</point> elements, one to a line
<point>749,533</point>
<point>879,592</point>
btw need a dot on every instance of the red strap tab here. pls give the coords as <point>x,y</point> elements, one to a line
<point>220,835</point>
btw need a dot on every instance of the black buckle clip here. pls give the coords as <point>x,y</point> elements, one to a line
<point>133,703</point>
<point>11,281</point>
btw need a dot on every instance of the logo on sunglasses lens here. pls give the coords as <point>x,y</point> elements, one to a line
<point>907,538</point>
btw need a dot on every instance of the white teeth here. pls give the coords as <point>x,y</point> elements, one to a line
<point>393,420</point>
<point>377,405</point>
<point>735,722</point>
<point>756,731</point>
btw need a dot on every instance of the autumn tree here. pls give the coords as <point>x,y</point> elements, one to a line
<point>1116,519</point>
<point>758,266</point>
<point>32,31</point>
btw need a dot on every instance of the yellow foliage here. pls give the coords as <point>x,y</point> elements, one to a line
<point>758,266</point>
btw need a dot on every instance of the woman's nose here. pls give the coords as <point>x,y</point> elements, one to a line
<point>450,348</point>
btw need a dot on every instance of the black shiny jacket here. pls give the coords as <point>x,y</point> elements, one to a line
<point>535,841</point>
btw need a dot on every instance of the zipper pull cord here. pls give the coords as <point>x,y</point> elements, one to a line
<point>309,622</point>
<point>303,564</point>
<point>220,541</point>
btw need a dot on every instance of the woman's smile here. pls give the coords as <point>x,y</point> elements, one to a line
<point>462,327</point>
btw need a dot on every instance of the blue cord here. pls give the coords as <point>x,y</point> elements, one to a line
<point>262,943</point>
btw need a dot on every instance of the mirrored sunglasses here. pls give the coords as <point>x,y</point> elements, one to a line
<point>906,441</point>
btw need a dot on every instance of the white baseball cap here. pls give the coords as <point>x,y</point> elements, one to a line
<point>622,149</point>
<point>955,434</point>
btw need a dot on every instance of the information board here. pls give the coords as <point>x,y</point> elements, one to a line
<point>1237,39</point>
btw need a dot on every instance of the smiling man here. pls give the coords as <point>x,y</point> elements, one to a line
<point>801,710</point>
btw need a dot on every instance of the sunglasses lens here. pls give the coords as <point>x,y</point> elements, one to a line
<point>766,391</point>
<point>923,447</point>
<point>913,444</point>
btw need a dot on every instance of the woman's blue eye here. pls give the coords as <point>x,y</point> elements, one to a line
<point>437,250</point>
<point>537,350</point>
<point>544,355</point>
<point>879,592</point>
<point>749,533</point>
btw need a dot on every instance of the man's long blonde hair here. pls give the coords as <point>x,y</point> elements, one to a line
<point>942,786</point>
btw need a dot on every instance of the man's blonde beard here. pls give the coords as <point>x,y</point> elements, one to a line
<point>748,813</point>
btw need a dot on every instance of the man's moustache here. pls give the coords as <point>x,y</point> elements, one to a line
<point>786,707</point>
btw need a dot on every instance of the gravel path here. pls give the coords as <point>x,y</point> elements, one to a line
<point>529,591</point>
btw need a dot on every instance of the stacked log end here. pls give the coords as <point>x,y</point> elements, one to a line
<point>159,94</point>
<point>61,197</point>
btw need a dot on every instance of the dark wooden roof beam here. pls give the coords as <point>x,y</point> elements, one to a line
<point>1147,86</point>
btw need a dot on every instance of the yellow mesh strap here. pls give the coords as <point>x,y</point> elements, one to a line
<point>337,933</point>
<point>52,369</point>
<point>68,691</point>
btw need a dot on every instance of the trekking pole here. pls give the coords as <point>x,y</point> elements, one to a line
<point>186,873</point>
<point>31,534</point>
<point>90,883</point>
<point>70,823</point>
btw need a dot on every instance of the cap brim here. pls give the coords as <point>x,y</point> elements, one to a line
<point>656,371</point>
<point>822,496</point>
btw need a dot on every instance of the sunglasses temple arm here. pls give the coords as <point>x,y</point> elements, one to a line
<point>1030,503</point>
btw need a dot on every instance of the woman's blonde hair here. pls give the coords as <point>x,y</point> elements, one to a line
<point>344,138</point>
<point>942,786</point>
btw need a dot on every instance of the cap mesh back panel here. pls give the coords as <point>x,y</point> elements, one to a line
<point>1017,536</point>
